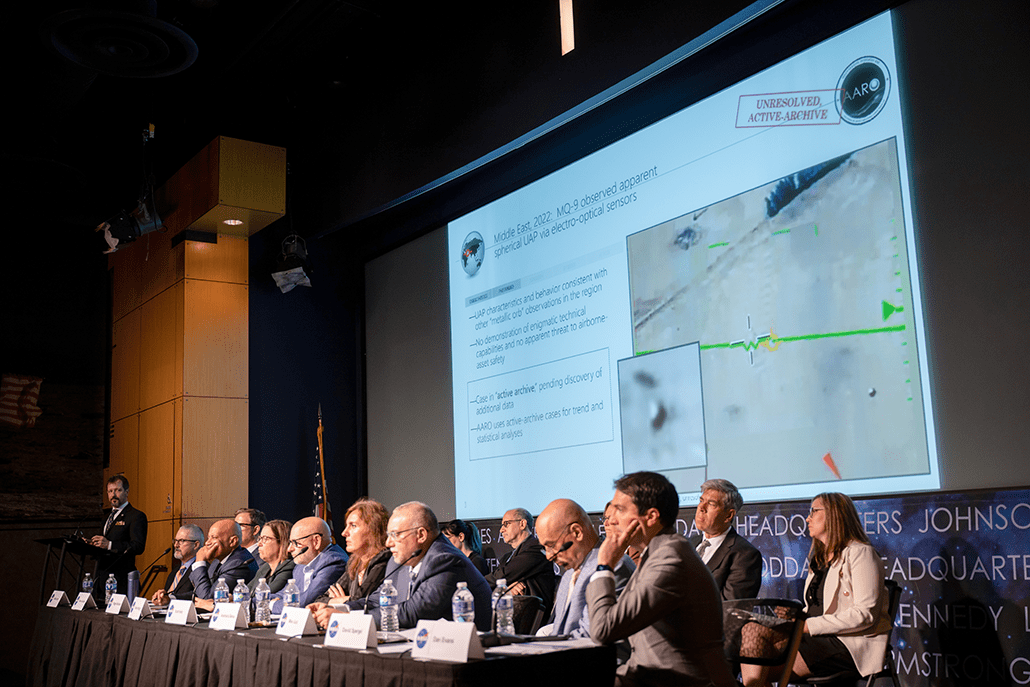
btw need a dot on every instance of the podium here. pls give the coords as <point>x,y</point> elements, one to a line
<point>60,547</point>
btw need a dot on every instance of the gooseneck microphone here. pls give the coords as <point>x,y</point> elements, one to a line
<point>364,601</point>
<point>291,556</point>
<point>538,567</point>
<point>493,638</point>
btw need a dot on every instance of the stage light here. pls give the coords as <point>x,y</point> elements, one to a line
<point>292,269</point>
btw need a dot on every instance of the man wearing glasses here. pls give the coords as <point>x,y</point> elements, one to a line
<point>562,522</point>
<point>413,537</point>
<point>525,567</point>
<point>319,562</point>
<point>251,521</point>
<point>221,556</point>
<point>187,542</point>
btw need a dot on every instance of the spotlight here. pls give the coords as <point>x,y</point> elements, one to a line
<point>126,227</point>
<point>292,268</point>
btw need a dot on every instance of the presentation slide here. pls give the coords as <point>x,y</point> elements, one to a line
<point>731,292</point>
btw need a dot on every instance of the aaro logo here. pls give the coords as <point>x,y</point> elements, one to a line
<point>422,638</point>
<point>862,90</point>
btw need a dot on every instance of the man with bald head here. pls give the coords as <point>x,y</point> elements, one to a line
<point>221,556</point>
<point>319,561</point>
<point>565,522</point>
<point>413,537</point>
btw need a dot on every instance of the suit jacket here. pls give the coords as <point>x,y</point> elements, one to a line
<point>183,590</point>
<point>239,564</point>
<point>275,581</point>
<point>522,560</point>
<point>325,569</point>
<point>736,567</point>
<point>855,606</point>
<point>374,574</point>
<point>128,537</point>
<point>672,614</point>
<point>573,618</point>
<point>429,593</point>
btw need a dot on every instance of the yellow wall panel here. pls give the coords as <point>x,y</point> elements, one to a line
<point>153,491</point>
<point>125,366</point>
<point>216,344</point>
<point>162,265</point>
<point>252,175</point>
<point>215,470</point>
<point>228,260</point>
<point>161,347</point>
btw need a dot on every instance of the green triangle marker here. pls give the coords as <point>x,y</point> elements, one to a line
<point>889,310</point>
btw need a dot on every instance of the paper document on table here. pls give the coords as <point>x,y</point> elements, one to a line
<point>531,648</point>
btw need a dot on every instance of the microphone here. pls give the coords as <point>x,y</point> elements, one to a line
<point>165,553</point>
<point>538,567</point>
<point>291,556</point>
<point>400,566</point>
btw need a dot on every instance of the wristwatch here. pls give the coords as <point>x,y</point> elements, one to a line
<point>604,567</point>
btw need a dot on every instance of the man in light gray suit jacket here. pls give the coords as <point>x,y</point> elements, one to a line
<point>565,522</point>
<point>671,609</point>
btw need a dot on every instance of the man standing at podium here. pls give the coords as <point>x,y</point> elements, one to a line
<point>124,536</point>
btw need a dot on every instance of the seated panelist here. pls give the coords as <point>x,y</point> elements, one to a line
<point>365,534</point>
<point>221,556</point>
<point>187,542</point>
<point>277,568</point>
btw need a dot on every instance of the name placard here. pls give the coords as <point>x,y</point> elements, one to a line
<point>351,631</point>
<point>228,616</point>
<point>83,601</point>
<point>443,640</point>
<point>140,609</point>
<point>58,598</point>
<point>296,622</point>
<point>119,604</point>
<point>181,612</point>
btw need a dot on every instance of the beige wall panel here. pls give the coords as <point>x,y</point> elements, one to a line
<point>227,261</point>
<point>153,491</point>
<point>124,453</point>
<point>252,175</point>
<point>216,345</point>
<point>125,366</point>
<point>161,347</point>
<point>127,266</point>
<point>191,191</point>
<point>215,468</point>
<point>162,265</point>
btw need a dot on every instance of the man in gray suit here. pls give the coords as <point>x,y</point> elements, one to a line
<point>565,522</point>
<point>670,610</point>
<point>735,564</point>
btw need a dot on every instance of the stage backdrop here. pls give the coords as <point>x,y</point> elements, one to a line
<point>962,560</point>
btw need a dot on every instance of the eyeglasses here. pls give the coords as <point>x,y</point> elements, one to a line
<point>262,539</point>
<point>246,524</point>
<point>296,542</point>
<point>548,546</point>
<point>396,534</point>
<point>183,541</point>
<point>813,511</point>
<point>505,523</point>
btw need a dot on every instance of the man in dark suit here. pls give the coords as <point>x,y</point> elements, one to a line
<point>221,556</point>
<point>435,568</point>
<point>187,542</point>
<point>670,609</point>
<point>124,536</point>
<point>735,564</point>
<point>319,561</point>
<point>525,567</point>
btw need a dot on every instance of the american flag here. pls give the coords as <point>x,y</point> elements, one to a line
<point>18,397</point>
<point>320,495</point>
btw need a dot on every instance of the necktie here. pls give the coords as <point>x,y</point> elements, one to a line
<point>178,577</point>
<point>110,521</point>
<point>702,547</point>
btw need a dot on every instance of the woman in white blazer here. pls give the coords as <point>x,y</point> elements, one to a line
<point>845,597</point>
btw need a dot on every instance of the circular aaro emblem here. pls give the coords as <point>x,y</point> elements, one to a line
<point>862,90</point>
<point>422,638</point>
<point>334,626</point>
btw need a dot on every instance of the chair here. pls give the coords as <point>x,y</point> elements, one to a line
<point>527,613</point>
<point>851,677</point>
<point>765,632</point>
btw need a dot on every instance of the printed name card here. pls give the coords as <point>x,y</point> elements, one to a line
<point>296,622</point>
<point>83,601</point>
<point>58,598</point>
<point>181,612</point>
<point>228,616</point>
<point>351,631</point>
<point>119,604</point>
<point>443,640</point>
<point>140,609</point>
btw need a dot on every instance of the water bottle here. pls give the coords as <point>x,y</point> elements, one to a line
<point>110,588</point>
<point>463,605</point>
<point>388,607</point>
<point>87,584</point>
<point>221,591</point>
<point>291,595</point>
<point>262,610</point>
<point>241,596</point>
<point>504,608</point>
